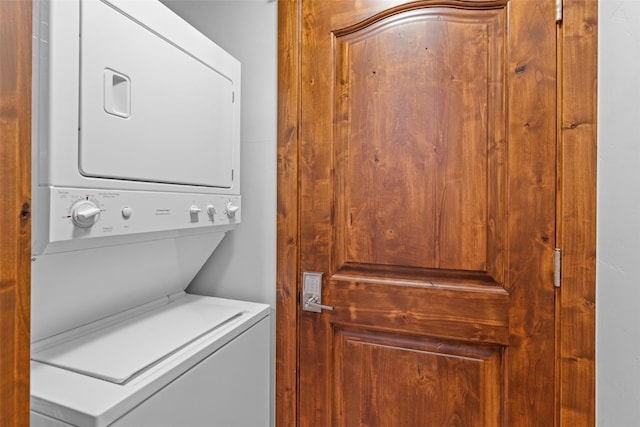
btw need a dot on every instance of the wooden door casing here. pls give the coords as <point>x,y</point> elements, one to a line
<point>15,210</point>
<point>576,233</point>
<point>575,398</point>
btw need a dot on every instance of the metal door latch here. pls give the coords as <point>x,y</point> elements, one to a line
<point>312,292</point>
<point>310,304</point>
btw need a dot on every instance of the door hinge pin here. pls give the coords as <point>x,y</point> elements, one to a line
<point>557,267</point>
<point>559,8</point>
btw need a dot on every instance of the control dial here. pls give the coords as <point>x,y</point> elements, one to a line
<point>85,213</point>
<point>231,209</point>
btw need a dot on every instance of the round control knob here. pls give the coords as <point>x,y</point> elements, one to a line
<point>211,210</point>
<point>126,212</point>
<point>194,210</point>
<point>231,209</point>
<point>85,213</point>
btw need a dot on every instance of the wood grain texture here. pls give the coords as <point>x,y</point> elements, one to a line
<point>575,228</point>
<point>15,223</point>
<point>287,215</point>
<point>577,232</point>
<point>531,163</point>
<point>464,313</point>
<point>396,150</point>
<point>440,383</point>
<point>430,190</point>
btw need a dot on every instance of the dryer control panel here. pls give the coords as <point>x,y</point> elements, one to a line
<point>79,214</point>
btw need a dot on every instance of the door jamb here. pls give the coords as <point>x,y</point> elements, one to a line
<point>15,210</point>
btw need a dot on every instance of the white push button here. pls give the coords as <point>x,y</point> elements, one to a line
<point>194,210</point>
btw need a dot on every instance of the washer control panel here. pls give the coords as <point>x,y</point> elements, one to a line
<point>86,213</point>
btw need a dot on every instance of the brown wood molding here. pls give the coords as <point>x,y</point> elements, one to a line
<point>15,199</point>
<point>421,6</point>
<point>287,202</point>
<point>577,212</point>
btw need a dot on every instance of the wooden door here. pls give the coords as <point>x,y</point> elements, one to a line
<point>427,199</point>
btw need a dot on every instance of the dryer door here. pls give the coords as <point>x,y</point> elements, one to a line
<point>151,110</point>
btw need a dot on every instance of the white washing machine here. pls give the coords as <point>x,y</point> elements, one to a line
<point>189,361</point>
<point>136,167</point>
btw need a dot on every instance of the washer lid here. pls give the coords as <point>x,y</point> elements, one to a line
<point>120,350</point>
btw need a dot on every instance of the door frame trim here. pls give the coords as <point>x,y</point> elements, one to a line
<point>576,213</point>
<point>15,210</point>
<point>576,225</point>
<point>288,206</point>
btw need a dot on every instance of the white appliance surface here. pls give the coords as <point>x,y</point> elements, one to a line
<point>70,397</point>
<point>136,167</point>
<point>143,102</point>
<point>230,388</point>
<point>142,340</point>
<point>132,80</point>
<point>136,151</point>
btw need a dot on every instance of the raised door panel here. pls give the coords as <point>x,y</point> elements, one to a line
<point>420,140</point>
<point>441,383</point>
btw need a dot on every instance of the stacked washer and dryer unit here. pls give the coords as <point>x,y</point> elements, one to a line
<point>136,166</point>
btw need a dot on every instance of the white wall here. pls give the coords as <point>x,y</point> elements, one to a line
<point>618,279</point>
<point>243,266</point>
